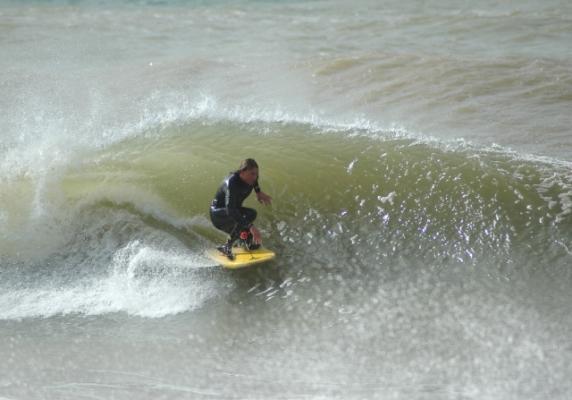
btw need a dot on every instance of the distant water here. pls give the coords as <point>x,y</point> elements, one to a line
<point>420,159</point>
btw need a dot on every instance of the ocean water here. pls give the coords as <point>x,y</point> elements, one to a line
<point>419,155</point>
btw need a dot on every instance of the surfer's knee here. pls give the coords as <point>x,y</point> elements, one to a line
<point>249,214</point>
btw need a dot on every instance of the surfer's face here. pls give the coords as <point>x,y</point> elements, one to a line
<point>249,176</point>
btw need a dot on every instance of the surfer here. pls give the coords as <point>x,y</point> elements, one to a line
<point>227,213</point>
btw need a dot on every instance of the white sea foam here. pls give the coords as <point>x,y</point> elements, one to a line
<point>80,77</point>
<point>142,280</point>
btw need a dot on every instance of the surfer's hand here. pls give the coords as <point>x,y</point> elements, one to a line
<point>263,198</point>
<point>256,236</point>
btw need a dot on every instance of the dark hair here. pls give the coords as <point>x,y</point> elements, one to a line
<point>247,164</point>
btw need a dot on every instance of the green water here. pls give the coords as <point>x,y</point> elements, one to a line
<point>463,202</point>
<point>418,154</point>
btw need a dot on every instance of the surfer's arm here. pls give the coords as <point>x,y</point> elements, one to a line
<point>261,196</point>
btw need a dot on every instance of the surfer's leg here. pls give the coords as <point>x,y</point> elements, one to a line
<point>237,230</point>
<point>249,215</point>
<point>222,221</point>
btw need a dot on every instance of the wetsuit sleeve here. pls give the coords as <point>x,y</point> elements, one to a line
<point>256,187</point>
<point>233,203</point>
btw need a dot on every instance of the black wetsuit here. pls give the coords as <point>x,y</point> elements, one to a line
<point>227,213</point>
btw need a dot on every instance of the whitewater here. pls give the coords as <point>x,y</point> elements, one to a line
<point>419,156</point>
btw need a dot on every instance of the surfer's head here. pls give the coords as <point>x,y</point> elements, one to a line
<point>248,171</point>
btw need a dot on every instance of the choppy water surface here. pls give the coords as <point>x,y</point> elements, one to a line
<point>419,156</point>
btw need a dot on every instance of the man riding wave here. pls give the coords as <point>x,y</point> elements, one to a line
<point>227,212</point>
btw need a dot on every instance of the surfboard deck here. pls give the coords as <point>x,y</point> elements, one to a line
<point>242,257</point>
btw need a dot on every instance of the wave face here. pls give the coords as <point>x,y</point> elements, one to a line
<point>135,213</point>
<point>418,153</point>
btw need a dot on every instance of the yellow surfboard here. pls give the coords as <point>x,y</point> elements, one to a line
<point>242,257</point>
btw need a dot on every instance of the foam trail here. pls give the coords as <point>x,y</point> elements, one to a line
<point>143,281</point>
